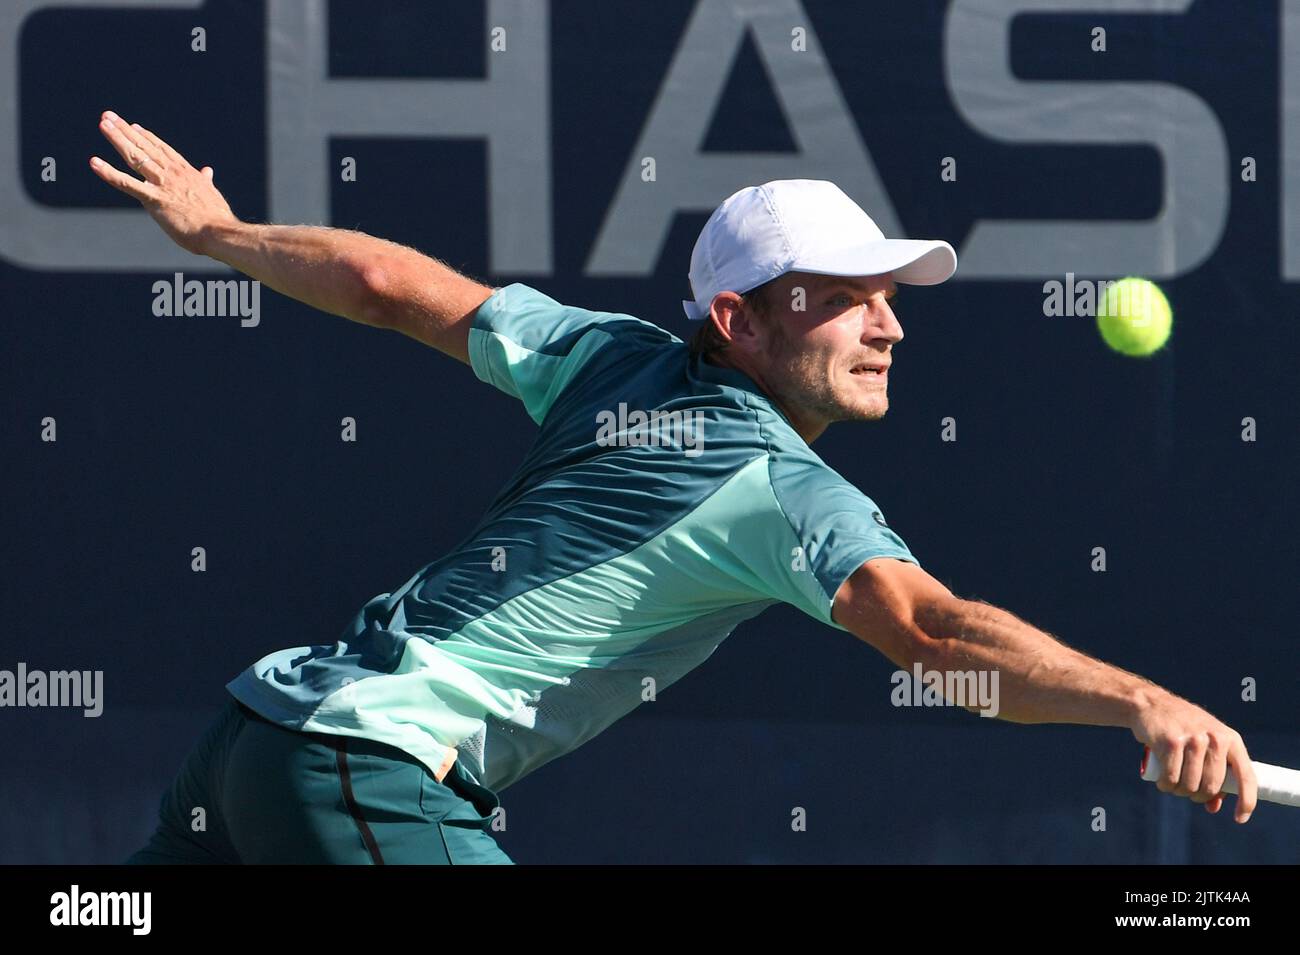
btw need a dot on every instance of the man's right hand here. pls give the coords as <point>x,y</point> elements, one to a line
<point>181,199</point>
<point>1194,751</point>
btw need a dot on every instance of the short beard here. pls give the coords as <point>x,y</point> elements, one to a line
<point>800,383</point>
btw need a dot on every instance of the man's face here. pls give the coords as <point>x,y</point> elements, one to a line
<point>828,361</point>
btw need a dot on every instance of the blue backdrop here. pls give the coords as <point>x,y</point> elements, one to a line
<point>177,432</point>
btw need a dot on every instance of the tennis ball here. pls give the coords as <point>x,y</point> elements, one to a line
<point>1133,317</point>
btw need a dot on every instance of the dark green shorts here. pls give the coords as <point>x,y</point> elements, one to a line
<point>254,792</point>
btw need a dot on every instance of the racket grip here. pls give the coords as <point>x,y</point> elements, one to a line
<point>1275,783</point>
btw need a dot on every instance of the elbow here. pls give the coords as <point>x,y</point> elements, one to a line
<point>940,618</point>
<point>917,647</point>
<point>903,642</point>
<point>968,681</point>
<point>934,633</point>
<point>374,288</point>
<point>898,609</point>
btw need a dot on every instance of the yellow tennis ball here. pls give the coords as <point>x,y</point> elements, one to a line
<point>1134,317</point>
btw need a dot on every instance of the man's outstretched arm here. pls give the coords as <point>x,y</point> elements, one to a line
<point>351,274</point>
<point>912,618</point>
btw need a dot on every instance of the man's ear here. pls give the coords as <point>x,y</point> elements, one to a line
<point>735,317</point>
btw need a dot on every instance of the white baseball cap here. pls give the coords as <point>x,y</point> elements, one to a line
<point>801,225</point>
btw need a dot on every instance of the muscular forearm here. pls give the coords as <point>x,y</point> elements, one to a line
<point>1040,680</point>
<point>323,267</point>
<point>358,276</point>
<point>913,619</point>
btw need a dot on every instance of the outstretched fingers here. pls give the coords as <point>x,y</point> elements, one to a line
<point>136,188</point>
<point>160,147</point>
<point>131,146</point>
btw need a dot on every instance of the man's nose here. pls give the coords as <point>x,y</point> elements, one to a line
<point>883,323</point>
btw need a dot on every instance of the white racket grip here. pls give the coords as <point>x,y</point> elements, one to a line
<point>1276,783</point>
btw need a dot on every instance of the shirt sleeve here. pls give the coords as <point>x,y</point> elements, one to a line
<point>531,347</point>
<point>836,529</point>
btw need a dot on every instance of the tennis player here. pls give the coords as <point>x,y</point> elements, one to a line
<point>671,495</point>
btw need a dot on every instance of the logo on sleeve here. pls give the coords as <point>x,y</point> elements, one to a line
<point>879,519</point>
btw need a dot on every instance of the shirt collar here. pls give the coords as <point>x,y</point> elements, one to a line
<point>734,377</point>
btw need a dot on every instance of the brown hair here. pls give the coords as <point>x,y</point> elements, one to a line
<point>708,340</point>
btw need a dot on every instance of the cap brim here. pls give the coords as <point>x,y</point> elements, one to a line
<point>909,261</point>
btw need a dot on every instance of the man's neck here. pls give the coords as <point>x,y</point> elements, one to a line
<point>808,429</point>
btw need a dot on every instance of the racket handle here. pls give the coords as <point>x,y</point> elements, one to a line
<point>1275,783</point>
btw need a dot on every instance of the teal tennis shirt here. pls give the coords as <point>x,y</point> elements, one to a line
<point>665,501</point>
